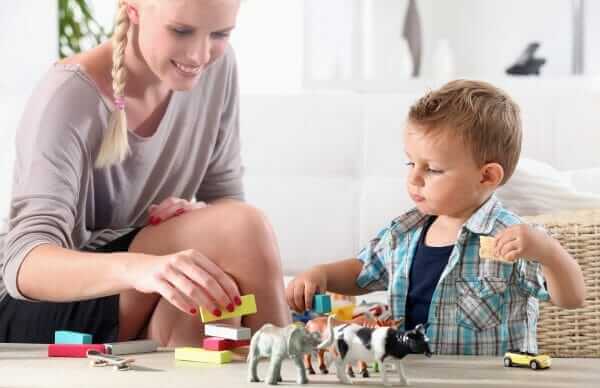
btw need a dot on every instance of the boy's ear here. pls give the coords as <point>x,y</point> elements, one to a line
<point>492,175</point>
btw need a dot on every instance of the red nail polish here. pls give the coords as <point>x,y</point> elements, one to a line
<point>230,307</point>
<point>237,300</point>
<point>179,212</point>
<point>193,311</point>
<point>216,312</point>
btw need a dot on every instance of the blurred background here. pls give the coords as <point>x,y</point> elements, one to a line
<point>355,44</point>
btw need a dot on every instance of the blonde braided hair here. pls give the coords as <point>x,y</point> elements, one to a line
<point>115,145</point>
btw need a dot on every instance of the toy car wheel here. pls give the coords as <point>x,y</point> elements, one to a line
<point>507,362</point>
<point>534,365</point>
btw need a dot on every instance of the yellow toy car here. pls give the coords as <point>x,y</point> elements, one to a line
<point>533,361</point>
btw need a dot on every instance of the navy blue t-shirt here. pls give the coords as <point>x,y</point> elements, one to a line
<point>425,272</point>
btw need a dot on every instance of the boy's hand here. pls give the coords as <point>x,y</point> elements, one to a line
<point>300,291</point>
<point>521,241</point>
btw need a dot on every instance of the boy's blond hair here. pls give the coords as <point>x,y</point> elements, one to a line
<point>485,117</point>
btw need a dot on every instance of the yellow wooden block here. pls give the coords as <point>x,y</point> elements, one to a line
<point>343,313</point>
<point>203,355</point>
<point>247,307</point>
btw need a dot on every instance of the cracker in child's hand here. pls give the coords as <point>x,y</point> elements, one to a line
<point>486,249</point>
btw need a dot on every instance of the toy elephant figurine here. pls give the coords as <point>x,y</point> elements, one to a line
<point>292,341</point>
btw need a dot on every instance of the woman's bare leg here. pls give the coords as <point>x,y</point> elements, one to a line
<point>236,237</point>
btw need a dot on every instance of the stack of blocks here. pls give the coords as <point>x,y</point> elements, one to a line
<point>74,344</point>
<point>220,338</point>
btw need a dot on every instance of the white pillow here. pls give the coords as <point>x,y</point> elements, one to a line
<point>587,179</point>
<point>538,188</point>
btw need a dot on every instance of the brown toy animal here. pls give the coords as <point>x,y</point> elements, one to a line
<point>319,325</point>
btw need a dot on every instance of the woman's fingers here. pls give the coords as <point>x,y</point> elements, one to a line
<point>195,295</point>
<point>219,285</point>
<point>176,298</point>
<point>172,208</point>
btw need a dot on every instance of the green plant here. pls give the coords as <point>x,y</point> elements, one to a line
<point>78,29</point>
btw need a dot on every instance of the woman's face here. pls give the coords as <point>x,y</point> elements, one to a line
<point>178,39</point>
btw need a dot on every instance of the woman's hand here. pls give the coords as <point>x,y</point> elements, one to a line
<point>171,207</point>
<point>187,280</point>
<point>300,291</point>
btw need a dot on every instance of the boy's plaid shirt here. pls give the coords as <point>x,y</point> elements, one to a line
<point>479,307</point>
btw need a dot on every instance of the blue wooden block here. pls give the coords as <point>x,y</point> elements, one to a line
<point>322,303</point>
<point>304,317</point>
<point>71,337</point>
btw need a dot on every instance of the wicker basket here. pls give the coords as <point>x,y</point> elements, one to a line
<point>574,333</point>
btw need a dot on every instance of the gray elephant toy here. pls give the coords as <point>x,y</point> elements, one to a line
<point>276,343</point>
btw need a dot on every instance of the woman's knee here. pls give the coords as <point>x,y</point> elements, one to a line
<point>233,234</point>
<point>250,238</point>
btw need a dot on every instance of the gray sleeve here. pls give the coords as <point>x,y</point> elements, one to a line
<point>46,184</point>
<point>225,172</point>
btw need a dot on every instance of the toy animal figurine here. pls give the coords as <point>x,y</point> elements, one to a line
<point>383,344</point>
<point>276,343</point>
<point>318,325</point>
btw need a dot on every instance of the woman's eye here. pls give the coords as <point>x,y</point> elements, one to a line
<point>409,164</point>
<point>181,31</point>
<point>220,35</point>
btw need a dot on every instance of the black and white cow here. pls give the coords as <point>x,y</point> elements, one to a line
<point>386,345</point>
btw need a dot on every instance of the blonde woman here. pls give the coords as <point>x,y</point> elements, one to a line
<point>127,209</point>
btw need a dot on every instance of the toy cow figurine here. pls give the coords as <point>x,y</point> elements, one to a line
<point>318,325</point>
<point>354,342</point>
<point>277,343</point>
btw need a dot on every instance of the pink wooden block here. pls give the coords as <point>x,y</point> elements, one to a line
<point>73,350</point>
<point>216,343</point>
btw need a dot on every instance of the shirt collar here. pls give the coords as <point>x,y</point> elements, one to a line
<point>484,218</point>
<point>480,222</point>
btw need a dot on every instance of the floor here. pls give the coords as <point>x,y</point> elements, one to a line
<point>28,366</point>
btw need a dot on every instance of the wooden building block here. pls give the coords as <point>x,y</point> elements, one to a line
<point>227,331</point>
<point>202,355</point>
<point>71,337</point>
<point>73,350</point>
<point>247,307</point>
<point>216,343</point>
<point>132,347</point>
<point>322,303</point>
<point>343,313</point>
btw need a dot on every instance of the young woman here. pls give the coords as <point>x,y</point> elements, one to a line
<point>127,209</point>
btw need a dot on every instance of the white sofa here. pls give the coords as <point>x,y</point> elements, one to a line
<point>328,170</point>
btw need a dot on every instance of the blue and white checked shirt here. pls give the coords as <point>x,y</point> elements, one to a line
<point>479,307</point>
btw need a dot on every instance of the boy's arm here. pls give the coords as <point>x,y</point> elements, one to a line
<point>563,275</point>
<point>341,277</point>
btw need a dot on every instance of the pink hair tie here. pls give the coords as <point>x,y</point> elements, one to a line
<point>120,103</point>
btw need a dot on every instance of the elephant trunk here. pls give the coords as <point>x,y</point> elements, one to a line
<point>329,341</point>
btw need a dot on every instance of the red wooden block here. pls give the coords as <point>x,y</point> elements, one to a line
<point>216,343</point>
<point>73,350</point>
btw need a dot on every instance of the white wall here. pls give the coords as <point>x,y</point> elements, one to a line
<point>29,45</point>
<point>28,41</point>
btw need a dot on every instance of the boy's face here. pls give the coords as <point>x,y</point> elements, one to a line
<point>443,177</point>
